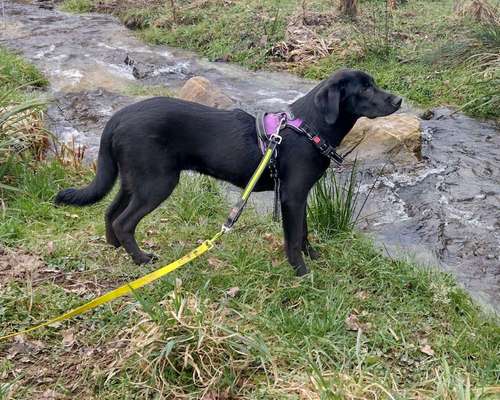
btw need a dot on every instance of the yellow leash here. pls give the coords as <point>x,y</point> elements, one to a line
<point>157,274</point>
<point>127,288</point>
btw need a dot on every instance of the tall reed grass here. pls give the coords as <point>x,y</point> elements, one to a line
<point>335,203</point>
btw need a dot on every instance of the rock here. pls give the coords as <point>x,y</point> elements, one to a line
<point>201,90</point>
<point>427,115</point>
<point>395,138</point>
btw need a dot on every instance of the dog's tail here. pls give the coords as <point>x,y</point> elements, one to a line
<point>107,171</point>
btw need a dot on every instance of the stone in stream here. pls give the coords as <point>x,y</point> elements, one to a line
<point>396,138</point>
<point>201,90</point>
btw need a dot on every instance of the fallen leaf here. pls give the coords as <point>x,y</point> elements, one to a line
<point>427,349</point>
<point>273,241</point>
<point>215,262</point>
<point>68,338</point>
<point>232,292</point>
<point>50,394</point>
<point>209,396</point>
<point>352,323</point>
<point>362,295</point>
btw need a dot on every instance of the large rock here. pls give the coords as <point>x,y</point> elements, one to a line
<point>395,138</point>
<point>201,90</point>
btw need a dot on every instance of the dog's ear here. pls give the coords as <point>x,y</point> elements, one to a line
<point>327,101</point>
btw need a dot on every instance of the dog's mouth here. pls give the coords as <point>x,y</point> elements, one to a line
<point>396,102</point>
<point>388,107</point>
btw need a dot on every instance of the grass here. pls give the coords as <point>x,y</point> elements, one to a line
<point>235,322</point>
<point>77,6</point>
<point>21,112</point>
<point>15,72</point>
<point>421,50</point>
<point>147,90</point>
<point>334,204</point>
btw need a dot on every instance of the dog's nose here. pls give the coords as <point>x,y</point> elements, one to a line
<point>396,101</point>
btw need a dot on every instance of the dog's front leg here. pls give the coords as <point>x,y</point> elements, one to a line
<point>307,248</point>
<point>293,209</point>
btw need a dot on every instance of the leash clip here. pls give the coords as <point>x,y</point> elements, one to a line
<point>276,137</point>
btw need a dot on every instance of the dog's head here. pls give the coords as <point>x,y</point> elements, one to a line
<point>353,92</point>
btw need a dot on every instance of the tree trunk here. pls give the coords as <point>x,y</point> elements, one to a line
<point>349,7</point>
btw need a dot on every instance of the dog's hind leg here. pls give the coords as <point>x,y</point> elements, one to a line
<point>146,198</point>
<point>118,205</point>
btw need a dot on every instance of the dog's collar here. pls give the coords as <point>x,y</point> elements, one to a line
<point>271,123</point>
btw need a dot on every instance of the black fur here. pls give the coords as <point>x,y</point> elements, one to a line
<point>152,141</point>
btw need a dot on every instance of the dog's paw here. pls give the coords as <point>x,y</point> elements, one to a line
<point>301,270</point>
<point>153,257</point>
<point>312,253</point>
<point>145,258</point>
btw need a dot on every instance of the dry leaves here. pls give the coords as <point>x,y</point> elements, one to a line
<point>353,322</point>
<point>50,394</point>
<point>303,43</point>
<point>232,292</point>
<point>362,295</point>
<point>273,241</point>
<point>68,338</point>
<point>215,262</point>
<point>17,265</point>
<point>427,349</point>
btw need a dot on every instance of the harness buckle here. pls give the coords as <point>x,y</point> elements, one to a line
<point>276,138</point>
<point>282,124</point>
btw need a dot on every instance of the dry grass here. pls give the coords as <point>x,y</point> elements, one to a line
<point>21,128</point>
<point>479,10</point>
<point>184,336</point>
<point>303,43</point>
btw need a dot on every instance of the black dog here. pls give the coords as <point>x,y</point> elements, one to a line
<point>149,143</point>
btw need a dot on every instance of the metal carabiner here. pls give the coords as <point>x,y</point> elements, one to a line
<point>276,137</point>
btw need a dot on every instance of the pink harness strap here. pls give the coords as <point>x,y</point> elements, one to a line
<point>271,122</point>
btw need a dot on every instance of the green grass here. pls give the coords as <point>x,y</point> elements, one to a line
<point>334,204</point>
<point>235,323</point>
<point>147,90</point>
<point>421,50</point>
<point>271,336</point>
<point>14,71</point>
<point>78,6</point>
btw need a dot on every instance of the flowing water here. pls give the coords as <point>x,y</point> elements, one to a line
<point>444,211</point>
